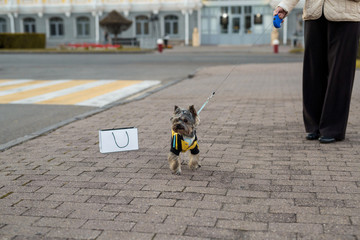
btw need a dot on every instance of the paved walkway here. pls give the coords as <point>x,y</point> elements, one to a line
<point>260,179</point>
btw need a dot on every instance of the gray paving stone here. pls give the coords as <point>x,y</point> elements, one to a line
<point>121,235</point>
<point>108,225</point>
<point>73,233</point>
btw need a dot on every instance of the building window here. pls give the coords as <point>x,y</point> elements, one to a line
<point>56,27</point>
<point>258,19</point>
<point>171,24</point>
<point>83,26</point>
<point>248,13</point>
<point>29,25</point>
<point>2,25</point>
<point>142,25</point>
<point>236,10</point>
<point>224,19</point>
<point>236,24</point>
<point>235,19</point>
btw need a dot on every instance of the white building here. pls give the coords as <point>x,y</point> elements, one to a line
<point>220,22</point>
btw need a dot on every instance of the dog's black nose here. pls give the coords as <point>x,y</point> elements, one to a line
<point>179,126</point>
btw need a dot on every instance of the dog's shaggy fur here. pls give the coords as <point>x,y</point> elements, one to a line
<point>184,122</point>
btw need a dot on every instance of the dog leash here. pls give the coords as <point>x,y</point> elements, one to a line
<point>213,93</point>
<point>277,24</point>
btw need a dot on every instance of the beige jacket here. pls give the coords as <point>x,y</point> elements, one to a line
<point>334,10</point>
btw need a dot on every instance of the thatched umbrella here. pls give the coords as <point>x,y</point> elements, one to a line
<point>115,23</point>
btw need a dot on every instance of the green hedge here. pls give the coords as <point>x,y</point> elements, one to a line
<point>22,40</point>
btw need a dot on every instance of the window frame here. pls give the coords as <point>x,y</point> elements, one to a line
<point>3,25</point>
<point>29,25</point>
<point>142,25</point>
<point>57,24</point>
<point>173,22</point>
<point>248,19</point>
<point>83,27</point>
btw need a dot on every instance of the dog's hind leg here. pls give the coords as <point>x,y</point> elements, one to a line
<point>194,161</point>
<point>174,162</point>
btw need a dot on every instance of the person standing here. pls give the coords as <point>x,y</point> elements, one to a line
<point>166,40</point>
<point>332,30</point>
<point>106,37</point>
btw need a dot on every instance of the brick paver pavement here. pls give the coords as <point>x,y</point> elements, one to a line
<point>260,178</point>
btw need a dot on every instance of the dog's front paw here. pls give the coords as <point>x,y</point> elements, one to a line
<point>194,162</point>
<point>175,164</point>
<point>194,166</point>
<point>178,172</point>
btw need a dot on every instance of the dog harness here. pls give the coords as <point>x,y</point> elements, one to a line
<point>182,144</point>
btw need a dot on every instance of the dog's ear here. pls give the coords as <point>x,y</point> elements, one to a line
<point>193,111</point>
<point>195,115</point>
<point>177,110</point>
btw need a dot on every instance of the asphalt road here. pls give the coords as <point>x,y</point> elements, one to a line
<point>17,121</point>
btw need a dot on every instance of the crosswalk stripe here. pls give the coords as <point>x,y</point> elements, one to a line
<point>15,91</point>
<point>119,94</point>
<point>6,82</point>
<point>81,96</point>
<point>95,93</point>
<point>20,84</point>
<point>39,91</point>
<point>86,84</point>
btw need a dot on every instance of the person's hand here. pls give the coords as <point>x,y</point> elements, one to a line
<point>281,12</point>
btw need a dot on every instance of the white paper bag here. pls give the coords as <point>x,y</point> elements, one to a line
<point>119,139</point>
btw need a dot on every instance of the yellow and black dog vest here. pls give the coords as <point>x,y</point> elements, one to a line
<point>179,144</point>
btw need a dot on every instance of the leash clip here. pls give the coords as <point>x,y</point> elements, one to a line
<point>206,102</point>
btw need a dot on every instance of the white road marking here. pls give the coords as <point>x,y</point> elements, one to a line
<point>31,87</point>
<point>17,81</point>
<point>98,101</point>
<point>63,92</point>
<point>118,94</point>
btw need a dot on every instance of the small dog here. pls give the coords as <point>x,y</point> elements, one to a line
<point>183,138</point>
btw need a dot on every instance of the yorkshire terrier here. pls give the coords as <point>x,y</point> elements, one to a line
<point>183,138</point>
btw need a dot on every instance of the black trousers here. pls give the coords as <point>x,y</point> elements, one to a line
<point>328,75</point>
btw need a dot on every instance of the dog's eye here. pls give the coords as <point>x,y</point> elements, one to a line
<point>185,120</point>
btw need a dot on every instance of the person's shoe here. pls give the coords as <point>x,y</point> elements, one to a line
<point>323,139</point>
<point>313,136</point>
